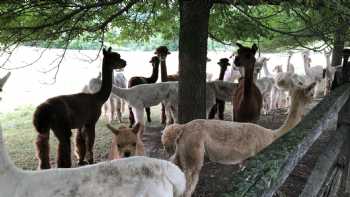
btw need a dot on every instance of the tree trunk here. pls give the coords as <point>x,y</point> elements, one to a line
<point>339,43</point>
<point>193,39</point>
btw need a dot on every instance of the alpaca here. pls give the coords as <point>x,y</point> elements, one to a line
<point>290,66</point>
<point>226,142</point>
<point>314,73</point>
<point>220,104</point>
<point>234,74</point>
<point>265,86</point>
<point>4,80</point>
<point>133,81</point>
<point>114,104</point>
<point>329,73</point>
<point>147,95</point>
<point>77,111</point>
<point>134,176</point>
<point>260,63</point>
<point>162,52</point>
<point>247,100</point>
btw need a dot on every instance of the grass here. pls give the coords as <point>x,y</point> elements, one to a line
<point>20,137</point>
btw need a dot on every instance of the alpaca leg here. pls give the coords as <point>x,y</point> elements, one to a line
<point>118,108</point>
<point>112,109</point>
<point>163,116</point>
<point>168,115</point>
<point>131,118</point>
<point>80,149</point>
<point>148,113</point>
<point>213,111</point>
<point>43,150</point>
<point>139,113</point>
<point>221,109</point>
<point>89,133</point>
<point>64,149</point>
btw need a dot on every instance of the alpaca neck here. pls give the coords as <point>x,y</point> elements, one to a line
<point>163,70</point>
<point>248,80</point>
<point>4,79</point>
<point>306,65</point>
<point>288,64</point>
<point>296,112</point>
<point>9,174</point>
<point>105,90</point>
<point>222,73</point>
<point>154,76</point>
<point>266,71</point>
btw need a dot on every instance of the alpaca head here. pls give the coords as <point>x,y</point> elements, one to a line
<point>162,52</point>
<point>306,58</point>
<point>223,63</point>
<point>112,59</point>
<point>346,53</point>
<point>303,93</point>
<point>246,56</point>
<point>278,69</point>
<point>127,140</point>
<point>154,61</point>
<point>262,61</point>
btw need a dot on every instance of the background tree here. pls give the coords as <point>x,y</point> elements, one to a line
<point>273,24</point>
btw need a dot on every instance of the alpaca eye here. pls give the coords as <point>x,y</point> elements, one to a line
<point>119,146</point>
<point>134,144</point>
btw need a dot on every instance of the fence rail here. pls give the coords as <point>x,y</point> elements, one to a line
<point>267,171</point>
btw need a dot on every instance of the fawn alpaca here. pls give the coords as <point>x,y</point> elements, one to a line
<point>224,141</point>
<point>77,111</point>
<point>247,100</point>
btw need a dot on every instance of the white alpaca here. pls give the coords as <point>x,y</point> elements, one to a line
<point>313,74</point>
<point>290,66</point>
<point>135,176</point>
<point>226,142</point>
<point>265,86</point>
<point>260,63</point>
<point>234,74</point>
<point>115,105</point>
<point>330,72</point>
<point>147,95</point>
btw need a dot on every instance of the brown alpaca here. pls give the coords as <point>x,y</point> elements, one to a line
<point>77,111</point>
<point>220,104</point>
<point>133,81</point>
<point>162,52</point>
<point>247,100</point>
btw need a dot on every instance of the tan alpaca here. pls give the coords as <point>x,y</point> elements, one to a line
<point>226,142</point>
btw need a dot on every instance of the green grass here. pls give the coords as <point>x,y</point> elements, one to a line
<point>20,137</point>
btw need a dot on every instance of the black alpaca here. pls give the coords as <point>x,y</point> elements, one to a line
<point>220,105</point>
<point>77,111</point>
<point>143,80</point>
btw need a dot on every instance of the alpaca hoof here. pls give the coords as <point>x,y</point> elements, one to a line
<point>82,163</point>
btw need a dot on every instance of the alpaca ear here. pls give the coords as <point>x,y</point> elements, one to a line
<point>114,130</point>
<point>104,51</point>
<point>310,87</point>
<point>239,45</point>
<point>109,49</point>
<point>254,48</point>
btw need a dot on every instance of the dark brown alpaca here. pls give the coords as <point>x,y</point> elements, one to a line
<point>247,100</point>
<point>133,81</point>
<point>162,52</point>
<point>77,111</point>
<point>220,105</point>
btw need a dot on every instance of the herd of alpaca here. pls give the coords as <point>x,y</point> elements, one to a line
<point>226,142</point>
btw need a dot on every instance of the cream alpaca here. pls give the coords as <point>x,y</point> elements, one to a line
<point>226,142</point>
<point>147,95</point>
<point>136,176</point>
